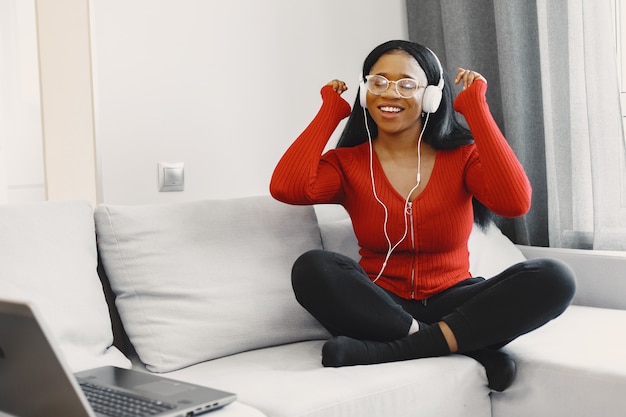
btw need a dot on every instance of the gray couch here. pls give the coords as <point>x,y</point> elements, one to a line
<point>200,291</point>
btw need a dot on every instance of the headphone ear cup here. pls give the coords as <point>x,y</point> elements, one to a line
<point>363,94</point>
<point>431,99</point>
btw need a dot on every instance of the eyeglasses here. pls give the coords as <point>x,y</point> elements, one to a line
<point>377,84</point>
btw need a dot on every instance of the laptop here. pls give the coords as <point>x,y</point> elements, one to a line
<point>35,381</point>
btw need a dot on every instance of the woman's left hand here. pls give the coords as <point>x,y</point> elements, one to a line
<point>467,77</point>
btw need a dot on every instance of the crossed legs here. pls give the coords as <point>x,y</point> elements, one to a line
<point>372,325</point>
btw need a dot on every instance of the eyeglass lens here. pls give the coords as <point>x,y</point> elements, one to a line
<point>405,87</point>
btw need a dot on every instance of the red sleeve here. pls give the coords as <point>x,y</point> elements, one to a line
<point>494,175</point>
<point>301,176</point>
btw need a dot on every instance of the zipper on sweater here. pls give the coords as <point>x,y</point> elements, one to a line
<point>409,212</point>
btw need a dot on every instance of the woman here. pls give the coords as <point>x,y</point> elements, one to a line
<point>407,172</point>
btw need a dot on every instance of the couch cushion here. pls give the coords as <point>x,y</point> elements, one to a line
<point>572,366</point>
<point>289,380</point>
<point>200,280</point>
<point>48,257</point>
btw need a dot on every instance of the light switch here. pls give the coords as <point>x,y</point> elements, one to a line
<point>171,176</point>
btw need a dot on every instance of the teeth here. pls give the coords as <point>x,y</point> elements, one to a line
<point>391,109</point>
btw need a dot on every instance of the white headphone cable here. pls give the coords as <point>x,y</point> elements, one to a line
<point>391,247</point>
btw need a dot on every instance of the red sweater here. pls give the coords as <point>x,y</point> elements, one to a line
<point>434,255</point>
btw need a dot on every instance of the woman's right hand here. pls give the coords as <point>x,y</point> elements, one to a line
<point>338,86</point>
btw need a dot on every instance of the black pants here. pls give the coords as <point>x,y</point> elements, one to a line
<point>480,312</point>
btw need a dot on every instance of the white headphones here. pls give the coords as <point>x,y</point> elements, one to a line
<point>430,104</point>
<point>432,94</point>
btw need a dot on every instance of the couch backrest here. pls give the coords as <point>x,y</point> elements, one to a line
<point>600,275</point>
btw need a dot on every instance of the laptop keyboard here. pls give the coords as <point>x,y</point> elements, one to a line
<point>114,403</point>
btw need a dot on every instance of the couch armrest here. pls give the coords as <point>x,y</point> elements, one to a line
<point>600,275</point>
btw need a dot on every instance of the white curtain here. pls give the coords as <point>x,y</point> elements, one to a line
<point>584,140</point>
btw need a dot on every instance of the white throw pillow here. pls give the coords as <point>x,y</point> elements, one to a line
<point>491,252</point>
<point>199,280</point>
<point>48,257</point>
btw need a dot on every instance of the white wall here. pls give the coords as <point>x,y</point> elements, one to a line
<point>223,87</point>
<point>21,147</point>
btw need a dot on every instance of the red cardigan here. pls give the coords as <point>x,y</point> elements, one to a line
<point>434,255</point>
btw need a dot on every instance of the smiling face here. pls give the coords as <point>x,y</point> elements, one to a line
<point>392,113</point>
